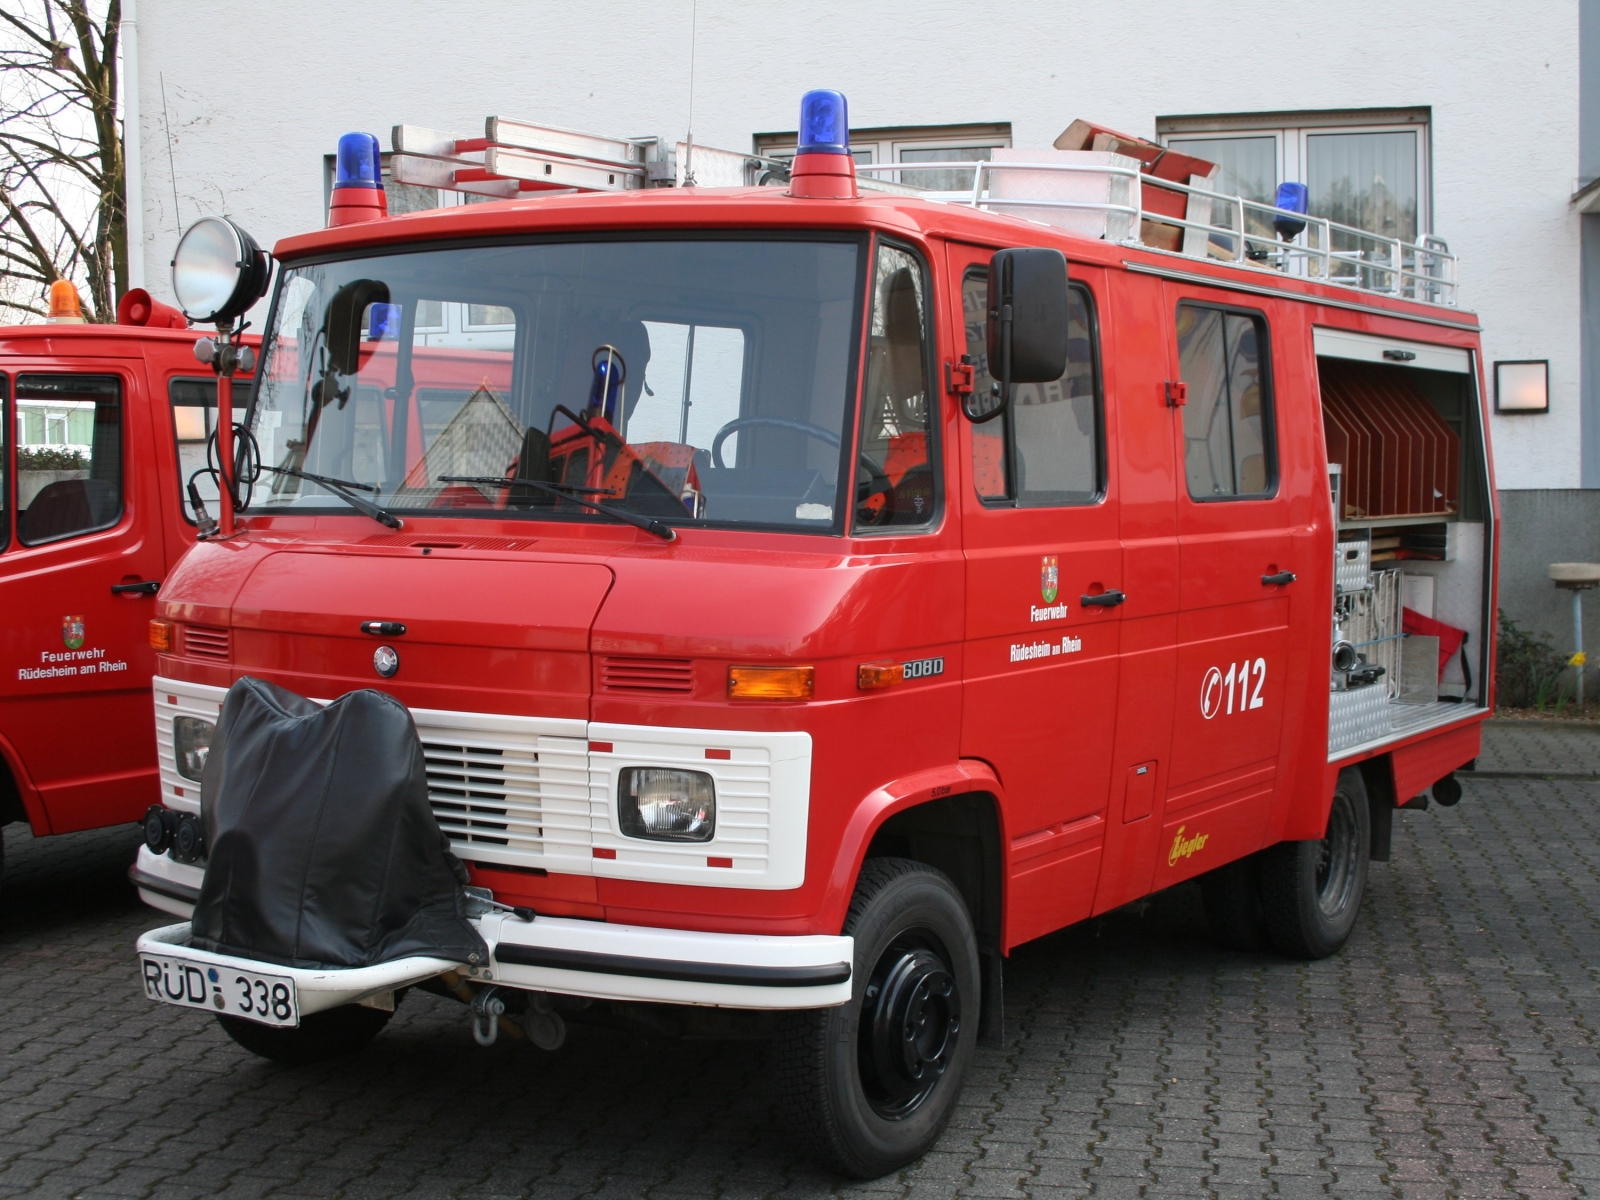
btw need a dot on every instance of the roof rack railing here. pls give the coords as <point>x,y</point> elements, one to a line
<point>1214,225</point>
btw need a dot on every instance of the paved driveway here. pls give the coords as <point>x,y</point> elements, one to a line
<point>1449,1051</point>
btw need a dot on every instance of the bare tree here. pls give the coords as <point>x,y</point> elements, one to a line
<point>62,179</point>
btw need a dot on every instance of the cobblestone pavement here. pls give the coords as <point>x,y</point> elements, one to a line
<point>1448,1051</point>
<point>1553,750</point>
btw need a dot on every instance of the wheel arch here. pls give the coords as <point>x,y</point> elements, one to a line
<point>19,799</point>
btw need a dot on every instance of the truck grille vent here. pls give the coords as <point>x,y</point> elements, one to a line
<point>484,795</point>
<point>201,641</point>
<point>654,676</point>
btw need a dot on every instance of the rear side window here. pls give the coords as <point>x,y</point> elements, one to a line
<point>1049,437</point>
<point>1227,419</point>
<point>69,456</point>
<point>194,420</point>
<point>895,482</point>
<point>5,459</point>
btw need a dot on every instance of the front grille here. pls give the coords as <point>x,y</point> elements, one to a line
<point>657,676</point>
<point>485,795</point>
<point>201,641</point>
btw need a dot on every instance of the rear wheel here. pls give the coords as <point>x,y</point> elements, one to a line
<point>1311,891</point>
<point>332,1033</point>
<point>871,1084</point>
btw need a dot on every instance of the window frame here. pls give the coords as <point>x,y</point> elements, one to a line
<point>1269,402</point>
<point>1101,466</point>
<point>884,143</point>
<point>929,374</point>
<point>1291,131</point>
<point>122,455</point>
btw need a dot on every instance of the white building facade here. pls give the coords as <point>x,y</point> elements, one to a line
<point>1477,123</point>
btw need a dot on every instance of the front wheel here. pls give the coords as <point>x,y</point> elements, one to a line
<point>871,1084</point>
<point>1311,891</point>
<point>332,1033</point>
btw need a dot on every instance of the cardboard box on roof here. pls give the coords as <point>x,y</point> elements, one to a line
<point>1159,162</point>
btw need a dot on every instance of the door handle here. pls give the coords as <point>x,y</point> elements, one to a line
<point>1281,579</point>
<point>148,588</point>
<point>1104,600</point>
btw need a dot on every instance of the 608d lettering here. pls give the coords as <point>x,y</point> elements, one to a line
<point>923,667</point>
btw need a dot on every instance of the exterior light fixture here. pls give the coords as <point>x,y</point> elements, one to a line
<point>1522,386</point>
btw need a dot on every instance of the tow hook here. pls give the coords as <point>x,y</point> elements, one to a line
<point>487,1008</point>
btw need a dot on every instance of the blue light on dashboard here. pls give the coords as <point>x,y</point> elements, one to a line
<point>1291,196</point>
<point>357,163</point>
<point>824,123</point>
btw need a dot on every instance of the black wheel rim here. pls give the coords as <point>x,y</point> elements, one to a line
<point>910,1023</point>
<point>1338,858</point>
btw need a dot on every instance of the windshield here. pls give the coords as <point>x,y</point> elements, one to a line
<point>692,381</point>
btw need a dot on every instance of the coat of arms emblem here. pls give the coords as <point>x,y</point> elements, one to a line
<point>72,632</point>
<point>1049,579</point>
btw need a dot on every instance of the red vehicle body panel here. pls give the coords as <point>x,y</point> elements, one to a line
<point>78,745</point>
<point>1096,765</point>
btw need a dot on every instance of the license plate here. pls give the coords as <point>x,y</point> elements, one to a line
<point>269,999</point>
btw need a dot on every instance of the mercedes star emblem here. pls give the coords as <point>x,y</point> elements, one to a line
<point>386,661</point>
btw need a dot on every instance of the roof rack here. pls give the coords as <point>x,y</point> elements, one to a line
<point>1107,195</point>
<point>1100,194</point>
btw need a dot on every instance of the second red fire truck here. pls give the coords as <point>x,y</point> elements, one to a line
<point>803,595</point>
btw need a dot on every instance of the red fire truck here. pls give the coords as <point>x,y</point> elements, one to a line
<point>100,428</point>
<point>805,594</point>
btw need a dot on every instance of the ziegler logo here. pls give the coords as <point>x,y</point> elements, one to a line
<point>1182,848</point>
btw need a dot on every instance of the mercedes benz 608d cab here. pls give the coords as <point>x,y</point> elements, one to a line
<point>793,598</point>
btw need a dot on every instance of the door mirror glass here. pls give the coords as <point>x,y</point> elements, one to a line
<point>1027,322</point>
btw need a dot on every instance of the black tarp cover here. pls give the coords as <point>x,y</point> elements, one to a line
<point>323,851</point>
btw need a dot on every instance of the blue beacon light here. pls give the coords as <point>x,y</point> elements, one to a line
<point>1293,197</point>
<point>356,164</point>
<point>824,123</point>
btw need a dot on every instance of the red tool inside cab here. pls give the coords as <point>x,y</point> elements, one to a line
<point>804,594</point>
<point>101,429</point>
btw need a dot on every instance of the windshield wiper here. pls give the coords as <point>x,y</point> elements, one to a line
<point>342,489</point>
<point>564,491</point>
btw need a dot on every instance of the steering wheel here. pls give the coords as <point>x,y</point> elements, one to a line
<point>877,482</point>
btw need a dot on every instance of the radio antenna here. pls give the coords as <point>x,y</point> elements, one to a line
<point>688,148</point>
<point>172,170</point>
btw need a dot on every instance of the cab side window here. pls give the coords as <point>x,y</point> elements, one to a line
<point>1049,437</point>
<point>895,481</point>
<point>1227,419</point>
<point>69,456</point>
<point>194,420</point>
<point>5,460</point>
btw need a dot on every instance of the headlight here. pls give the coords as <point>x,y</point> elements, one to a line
<point>667,805</point>
<point>191,743</point>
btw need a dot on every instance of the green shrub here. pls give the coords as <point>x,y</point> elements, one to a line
<point>49,458</point>
<point>1529,671</point>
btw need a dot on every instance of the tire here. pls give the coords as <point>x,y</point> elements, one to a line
<point>1232,897</point>
<point>863,1096</point>
<point>332,1033</point>
<point>1311,891</point>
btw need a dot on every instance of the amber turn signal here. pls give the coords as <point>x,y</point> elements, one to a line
<point>771,683</point>
<point>879,675</point>
<point>161,635</point>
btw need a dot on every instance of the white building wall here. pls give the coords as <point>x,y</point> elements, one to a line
<point>255,95</point>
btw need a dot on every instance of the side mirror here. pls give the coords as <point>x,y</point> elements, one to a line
<point>1027,321</point>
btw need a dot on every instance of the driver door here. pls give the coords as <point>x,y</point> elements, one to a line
<point>1043,573</point>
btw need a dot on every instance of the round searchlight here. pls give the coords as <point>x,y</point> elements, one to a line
<point>218,271</point>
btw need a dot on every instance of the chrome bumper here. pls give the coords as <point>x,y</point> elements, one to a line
<point>584,958</point>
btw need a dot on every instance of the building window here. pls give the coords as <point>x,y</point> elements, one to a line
<point>1368,168</point>
<point>910,144</point>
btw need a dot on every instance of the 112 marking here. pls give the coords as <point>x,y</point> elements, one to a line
<point>1230,693</point>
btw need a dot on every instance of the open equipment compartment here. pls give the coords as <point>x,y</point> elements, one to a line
<point>1409,481</point>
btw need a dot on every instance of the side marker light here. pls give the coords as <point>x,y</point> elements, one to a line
<point>771,683</point>
<point>870,676</point>
<point>161,637</point>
